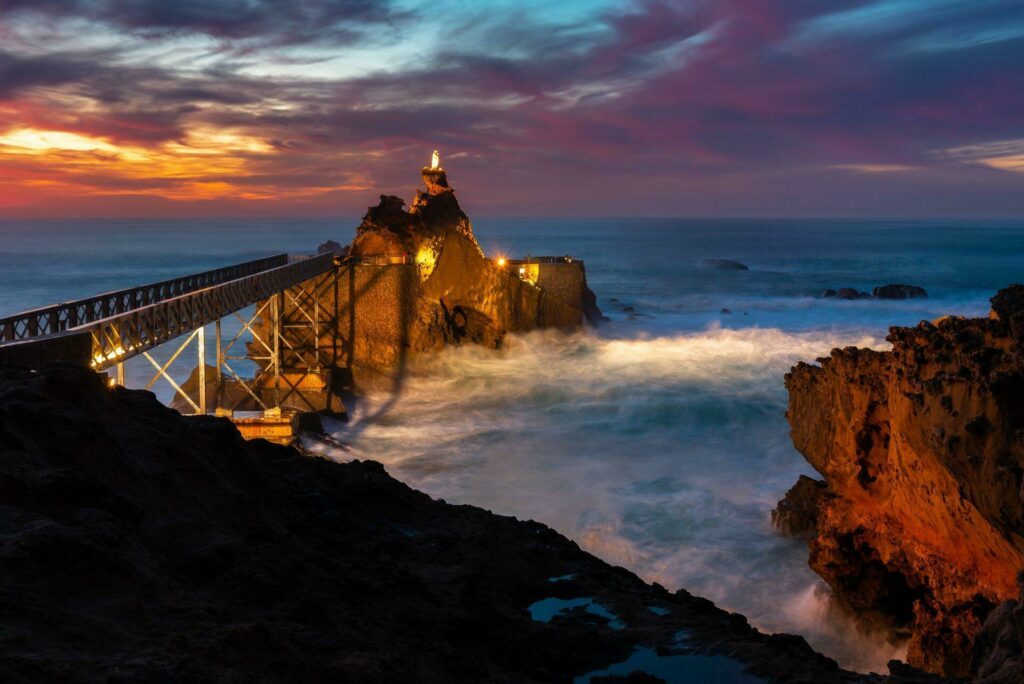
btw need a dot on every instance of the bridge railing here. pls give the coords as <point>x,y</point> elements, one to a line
<point>125,335</point>
<point>68,315</point>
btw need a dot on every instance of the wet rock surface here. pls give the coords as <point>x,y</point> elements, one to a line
<point>922,448</point>
<point>140,545</point>
<point>797,513</point>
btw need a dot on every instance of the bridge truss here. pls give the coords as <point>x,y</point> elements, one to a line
<point>127,323</point>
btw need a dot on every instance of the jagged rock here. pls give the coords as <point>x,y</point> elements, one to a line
<point>829,293</point>
<point>140,545</point>
<point>896,291</point>
<point>922,448</point>
<point>332,247</point>
<point>998,653</point>
<point>1008,306</point>
<point>851,293</point>
<point>796,515</point>
<point>418,281</point>
<point>725,311</point>
<point>591,310</point>
<point>725,265</point>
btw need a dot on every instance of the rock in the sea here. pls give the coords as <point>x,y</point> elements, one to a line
<point>418,281</point>
<point>725,265</point>
<point>922,447</point>
<point>829,293</point>
<point>725,311</point>
<point>796,515</point>
<point>139,545</point>
<point>850,293</point>
<point>332,247</point>
<point>897,291</point>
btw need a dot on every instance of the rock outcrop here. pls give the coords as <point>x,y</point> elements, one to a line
<point>897,291</point>
<point>892,291</point>
<point>725,265</point>
<point>140,545</point>
<point>416,280</point>
<point>922,448</point>
<point>846,293</point>
<point>797,513</point>
<point>998,654</point>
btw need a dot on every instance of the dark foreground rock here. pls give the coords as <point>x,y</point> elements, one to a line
<point>139,545</point>
<point>922,448</point>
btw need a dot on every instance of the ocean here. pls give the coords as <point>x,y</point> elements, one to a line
<point>658,442</point>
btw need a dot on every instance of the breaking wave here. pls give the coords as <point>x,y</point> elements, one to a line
<point>663,454</point>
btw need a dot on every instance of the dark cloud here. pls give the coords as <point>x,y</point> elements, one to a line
<point>18,72</point>
<point>267,22</point>
<point>643,99</point>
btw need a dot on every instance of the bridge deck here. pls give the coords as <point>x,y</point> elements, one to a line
<point>128,322</point>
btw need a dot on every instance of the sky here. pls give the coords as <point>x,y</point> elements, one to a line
<point>859,108</point>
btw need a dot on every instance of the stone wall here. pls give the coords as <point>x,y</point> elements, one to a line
<point>564,282</point>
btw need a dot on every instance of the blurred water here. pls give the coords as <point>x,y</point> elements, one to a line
<point>657,443</point>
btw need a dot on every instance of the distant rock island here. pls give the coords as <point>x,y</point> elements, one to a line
<point>724,265</point>
<point>891,291</point>
<point>919,524</point>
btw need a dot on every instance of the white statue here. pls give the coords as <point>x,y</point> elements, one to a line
<point>435,161</point>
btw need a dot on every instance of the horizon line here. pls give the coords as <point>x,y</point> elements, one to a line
<point>541,217</point>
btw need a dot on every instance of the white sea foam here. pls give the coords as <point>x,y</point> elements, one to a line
<point>661,454</point>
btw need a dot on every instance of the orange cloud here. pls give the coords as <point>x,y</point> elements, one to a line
<point>208,164</point>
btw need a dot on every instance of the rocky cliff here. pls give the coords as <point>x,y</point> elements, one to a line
<point>415,280</point>
<point>140,545</point>
<point>461,295</point>
<point>922,449</point>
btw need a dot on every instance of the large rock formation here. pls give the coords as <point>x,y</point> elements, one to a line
<point>922,448</point>
<point>140,545</point>
<point>416,280</point>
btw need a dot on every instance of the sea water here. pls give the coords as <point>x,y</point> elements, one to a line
<point>657,442</point>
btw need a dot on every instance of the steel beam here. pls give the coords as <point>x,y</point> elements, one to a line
<point>69,315</point>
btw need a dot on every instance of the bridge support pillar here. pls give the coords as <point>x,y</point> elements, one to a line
<point>201,350</point>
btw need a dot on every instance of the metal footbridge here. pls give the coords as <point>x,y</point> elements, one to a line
<point>114,327</point>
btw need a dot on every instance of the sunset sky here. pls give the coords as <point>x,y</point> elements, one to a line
<point>582,107</point>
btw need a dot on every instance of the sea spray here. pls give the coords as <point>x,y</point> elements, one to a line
<point>663,454</point>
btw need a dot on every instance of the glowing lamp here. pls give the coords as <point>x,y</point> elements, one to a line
<point>435,160</point>
<point>502,261</point>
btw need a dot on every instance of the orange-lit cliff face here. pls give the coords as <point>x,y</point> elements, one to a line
<point>922,451</point>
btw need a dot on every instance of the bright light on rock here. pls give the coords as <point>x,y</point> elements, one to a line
<point>426,259</point>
